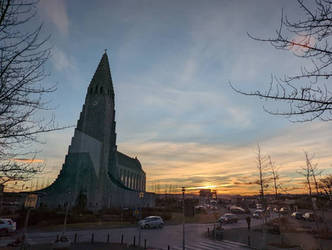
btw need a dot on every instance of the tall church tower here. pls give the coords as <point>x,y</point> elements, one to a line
<point>95,132</point>
<point>97,119</point>
<point>93,167</point>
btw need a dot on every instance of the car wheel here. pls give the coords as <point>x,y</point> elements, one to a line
<point>161,225</point>
<point>146,226</point>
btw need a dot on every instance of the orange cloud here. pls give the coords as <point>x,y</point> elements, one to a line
<point>25,160</point>
<point>232,169</point>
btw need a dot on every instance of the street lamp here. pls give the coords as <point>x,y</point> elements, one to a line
<point>183,221</point>
<point>67,210</point>
<point>141,196</point>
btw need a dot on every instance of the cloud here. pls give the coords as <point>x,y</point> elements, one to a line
<point>56,12</point>
<point>26,160</point>
<point>61,61</point>
<point>232,169</point>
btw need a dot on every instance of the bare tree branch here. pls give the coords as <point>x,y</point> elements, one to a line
<point>308,95</point>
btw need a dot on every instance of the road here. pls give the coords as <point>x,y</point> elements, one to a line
<point>170,235</point>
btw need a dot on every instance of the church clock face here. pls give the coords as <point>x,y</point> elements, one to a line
<point>95,103</point>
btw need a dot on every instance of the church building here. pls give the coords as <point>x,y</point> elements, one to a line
<point>94,169</point>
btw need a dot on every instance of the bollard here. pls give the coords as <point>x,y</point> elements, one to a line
<point>168,248</point>
<point>75,238</point>
<point>144,243</point>
<point>92,238</point>
<point>208,231</point>
<point>134,241</point>
<point>121,239</point>
<point>108,238</point>
<point>57,237</point>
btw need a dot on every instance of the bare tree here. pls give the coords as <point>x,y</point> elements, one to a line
<point>275,176</point>
<point>325,184</point>
<point>23,55</point>
<point>309,171</point>
<point>13,171</point>
<point>307,174</point>
<point>315,171</point>
<point>306,95</point>
<point>262,180</point>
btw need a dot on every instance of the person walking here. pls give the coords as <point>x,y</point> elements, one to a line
<point>248,219</point>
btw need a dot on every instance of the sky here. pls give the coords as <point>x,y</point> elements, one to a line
<point>171,63</point>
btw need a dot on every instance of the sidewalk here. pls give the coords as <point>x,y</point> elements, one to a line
<point>257,240</point>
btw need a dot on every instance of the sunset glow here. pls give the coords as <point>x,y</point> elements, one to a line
<point>174,108</point>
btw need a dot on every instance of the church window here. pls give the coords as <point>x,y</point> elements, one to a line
<point>101,90</point>
<point>96,90</point>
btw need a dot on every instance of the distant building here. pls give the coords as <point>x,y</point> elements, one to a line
<point>94,171</point>
<point>207,194</point>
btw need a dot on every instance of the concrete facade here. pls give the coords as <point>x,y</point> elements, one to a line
<point>93,167</point>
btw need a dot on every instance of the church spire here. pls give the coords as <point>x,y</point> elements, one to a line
<point>102,76</point>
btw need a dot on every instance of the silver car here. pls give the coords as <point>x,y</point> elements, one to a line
<point>151,222</point>
<point>7,226</point>
<point>228,218</point>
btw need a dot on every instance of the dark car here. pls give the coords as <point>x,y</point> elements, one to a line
<point>297,215</point>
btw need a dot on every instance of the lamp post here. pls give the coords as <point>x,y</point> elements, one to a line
<point>68,198</point>
<point>141,196</point>
<point>183,221</point>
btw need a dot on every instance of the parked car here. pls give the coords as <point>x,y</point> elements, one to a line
<point>258,213</point>
<point>228,218</point>
<point>7,226</point>
<point>309,216</point>
<point>151,222</point>
<point>284,210</point>
<point>297,215</point>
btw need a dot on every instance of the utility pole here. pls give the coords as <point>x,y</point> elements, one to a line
<point>183,221</point>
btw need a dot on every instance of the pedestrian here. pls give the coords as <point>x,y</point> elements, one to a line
<point>248,219</point>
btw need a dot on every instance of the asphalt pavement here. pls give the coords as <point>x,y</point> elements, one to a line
<point>169,235</point>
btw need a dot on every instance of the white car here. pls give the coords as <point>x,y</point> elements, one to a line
<point>228,218</point>
<point>151,222</point>
<point>7,226</point>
